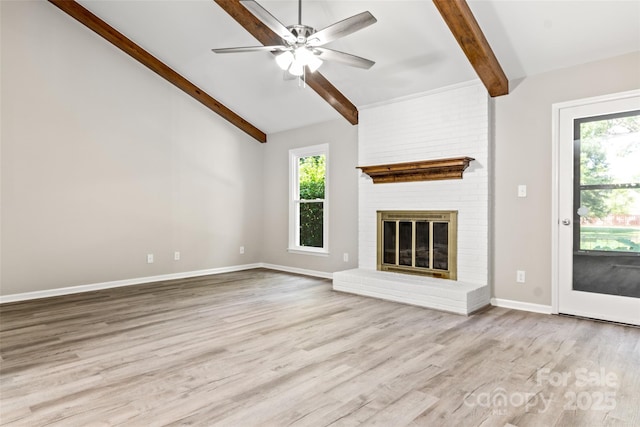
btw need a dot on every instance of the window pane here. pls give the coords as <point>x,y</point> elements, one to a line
<point>616,227</point>
<point>389,256</point>
<point>422,244</point>
<point>404,244</point>
<point>440,245</point>
<point>610,151</point>
<point>309,198</point>
<point>311,173</point>
<point>311,221</point>
<point>607,199</point>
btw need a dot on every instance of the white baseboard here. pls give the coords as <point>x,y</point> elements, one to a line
<point>150,279</point>
<point>119,283</point>
<point>518,305</point>
<point>314,273</point>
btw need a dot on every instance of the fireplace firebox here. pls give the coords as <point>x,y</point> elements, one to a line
<point>418,242</point>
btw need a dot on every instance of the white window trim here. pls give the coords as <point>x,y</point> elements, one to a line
<point>294,155</point>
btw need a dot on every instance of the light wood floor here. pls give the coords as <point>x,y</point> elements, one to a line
<point>263,348</point>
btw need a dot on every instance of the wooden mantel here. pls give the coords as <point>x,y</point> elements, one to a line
<point>424,170</point>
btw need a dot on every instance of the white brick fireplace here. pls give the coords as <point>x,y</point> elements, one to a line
<point>443,124</point>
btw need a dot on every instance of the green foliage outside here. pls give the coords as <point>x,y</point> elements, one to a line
<point>311,172</point>
<point>595,168</point>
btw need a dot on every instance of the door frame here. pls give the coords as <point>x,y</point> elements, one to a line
<point>556,108</point>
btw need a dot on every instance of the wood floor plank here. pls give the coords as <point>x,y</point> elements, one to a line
<point>404,410</point>
<point>266,348</point>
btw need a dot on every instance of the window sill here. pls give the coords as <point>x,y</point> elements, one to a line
<point>314,252</point>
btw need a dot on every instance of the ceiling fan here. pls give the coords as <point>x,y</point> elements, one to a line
<point>302,45</point>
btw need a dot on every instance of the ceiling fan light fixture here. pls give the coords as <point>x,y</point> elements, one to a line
<point>284,60</point>
<point>314,63</point>
<point>303,55</point>
<point>296,69</point>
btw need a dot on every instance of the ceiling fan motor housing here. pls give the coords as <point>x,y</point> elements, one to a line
<point>301,33</point>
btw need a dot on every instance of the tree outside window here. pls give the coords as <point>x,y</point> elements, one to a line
<point>311,172</point>
<point>308,204</point>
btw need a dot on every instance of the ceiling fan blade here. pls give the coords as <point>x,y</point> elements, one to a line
<point>345,58</point>
<point>269,20</point>
<point>251,49</point>
<point>341,29</point>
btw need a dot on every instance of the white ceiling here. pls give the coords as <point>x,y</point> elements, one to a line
<point>413,48</point>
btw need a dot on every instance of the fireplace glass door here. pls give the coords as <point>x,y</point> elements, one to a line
<point>417,242</point>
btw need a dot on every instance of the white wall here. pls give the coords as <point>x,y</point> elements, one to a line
<point>104,162</point>
<point>453,122</point>
<point>523,156</point>
<point>343,196</point>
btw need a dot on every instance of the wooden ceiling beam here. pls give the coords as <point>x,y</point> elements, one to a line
<point>465,29</point>
<point>315,81</point>
<point>116,38</point>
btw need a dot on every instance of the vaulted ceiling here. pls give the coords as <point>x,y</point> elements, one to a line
<point>413,47</point>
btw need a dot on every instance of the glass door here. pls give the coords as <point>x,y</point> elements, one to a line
<point>606,204</point>
<point>599,210</point>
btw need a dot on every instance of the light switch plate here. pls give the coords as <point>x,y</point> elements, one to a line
<point>522,190</point>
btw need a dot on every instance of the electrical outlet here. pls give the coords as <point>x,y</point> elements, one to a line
<point>149,258</point>
<point>176,256</point>
<point>241,250</point>
<point>345,257</point>
<point>520,276</point>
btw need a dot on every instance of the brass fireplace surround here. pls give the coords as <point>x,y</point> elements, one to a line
<point>418,242</point>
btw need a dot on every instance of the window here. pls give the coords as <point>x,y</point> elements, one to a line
<point>308,196</point>
<point>607,184</point>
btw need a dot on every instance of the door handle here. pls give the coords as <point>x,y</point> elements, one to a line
<point>566,221</point>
